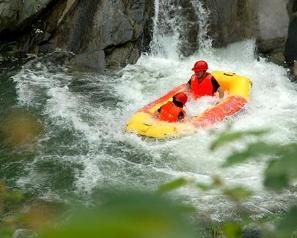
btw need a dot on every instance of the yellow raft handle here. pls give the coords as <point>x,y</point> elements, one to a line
<point>229,74</point>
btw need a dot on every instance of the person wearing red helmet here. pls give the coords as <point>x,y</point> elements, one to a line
<point>203,83</point>
<point>172,111</point>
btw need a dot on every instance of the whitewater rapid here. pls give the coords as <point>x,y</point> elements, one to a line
<point>84,146</point>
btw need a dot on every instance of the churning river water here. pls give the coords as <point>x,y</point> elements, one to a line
<point>84,146</point>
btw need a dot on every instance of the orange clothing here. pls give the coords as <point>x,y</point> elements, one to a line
<point>171,113</point>
<point>203,87</point>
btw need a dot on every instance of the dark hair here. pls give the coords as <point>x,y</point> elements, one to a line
<point>177,103</point>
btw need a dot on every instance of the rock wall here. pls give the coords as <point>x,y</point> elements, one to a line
<point>15,14</point>
<point>231,20</point>
<point>101,33</point>
<point>111,33</point>
<point>291,44</point>
<point>272,28</point>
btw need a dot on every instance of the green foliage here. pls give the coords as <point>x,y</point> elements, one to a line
<point>282,171</point>
<point>126,215</point>
<point>232,230</point>
<point>288,224</point>
<point>146,215</point>
<point>173,185</point>
<point>227,137</point>
<point>237,194</point>
<point>252,151</point>
<point>8,199</point>
<point>6,231</point>
<point>282,167</point>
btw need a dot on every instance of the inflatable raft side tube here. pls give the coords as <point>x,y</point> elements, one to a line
<point>235,85</point>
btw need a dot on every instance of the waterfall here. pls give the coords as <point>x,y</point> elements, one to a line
<point>172,32</point>
<point>204,40</point>
<point>165,34</point>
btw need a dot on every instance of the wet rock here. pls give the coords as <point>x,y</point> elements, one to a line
<point>188,29</point>
<point>8,13</point>
<point>120,56</point>
<point>231,21</point>
<point>291,46</point>
<point>292,71</point>
<point>87,28</point>
<point>92,61</point>
<point>272,25</point>
<point>251,233</point>
<point>16,13</point>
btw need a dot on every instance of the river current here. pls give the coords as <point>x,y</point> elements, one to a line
<point>84,146</point>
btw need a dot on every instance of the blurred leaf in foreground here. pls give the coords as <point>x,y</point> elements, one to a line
<point>20,129</point>
<point>124,215</point>
<point>252,151</point>
<point>282,171</point>
<point>232,230</point>
<point>173,185</point>
<point>227,137</point>
<point>237,194</point>
<point>8,198</point>
<point>288,224</point>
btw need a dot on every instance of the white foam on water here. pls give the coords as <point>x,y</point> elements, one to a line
<point>97,116</point>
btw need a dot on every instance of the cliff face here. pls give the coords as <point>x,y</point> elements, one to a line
<point>101,33</point>
<point>231,21</point>
<point>15,14</point>
<point>112,33</point>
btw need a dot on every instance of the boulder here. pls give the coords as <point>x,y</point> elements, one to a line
<point>94,30</point>
<point>231,21</point>
<point>15,14</point>
<point>119,57</point>
<point>272,25</point>
<point>188,28</point>
<point>291,46</point>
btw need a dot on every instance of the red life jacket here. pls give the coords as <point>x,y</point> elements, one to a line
<point>203,88</point>
<point>170,112</point>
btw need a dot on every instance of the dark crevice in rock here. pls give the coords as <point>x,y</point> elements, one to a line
<point>121,55</point>
<point>84,22</point>
<point>27,25</point>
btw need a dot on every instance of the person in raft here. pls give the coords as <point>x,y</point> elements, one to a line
<point>203,83</point>
<point>172,111</point>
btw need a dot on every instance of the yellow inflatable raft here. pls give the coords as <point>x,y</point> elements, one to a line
<point>144,122</point>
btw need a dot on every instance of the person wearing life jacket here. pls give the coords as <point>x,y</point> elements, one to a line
<point>173,111</point>
<point>203,83</point>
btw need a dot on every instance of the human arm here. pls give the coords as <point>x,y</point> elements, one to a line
<point>217,88</point>
<point>181,116</point>
<point>220,92</point>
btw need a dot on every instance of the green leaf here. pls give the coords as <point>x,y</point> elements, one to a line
<point>232,230</point>
<point>173,185</point>
<point>13,197</point>
<point>288,225</point>
<point>228,137</point>
<point>252,151</point>
<point>237,194</point>
<point>281,172</point>
<point>203,186</point>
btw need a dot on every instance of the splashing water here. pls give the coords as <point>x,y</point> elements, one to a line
<point>205,42</point>
<point>167,28</point>
<point>85,147</point>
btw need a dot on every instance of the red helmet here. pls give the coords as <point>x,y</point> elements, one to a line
<point>181,97</point>
<point>199,66</point>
